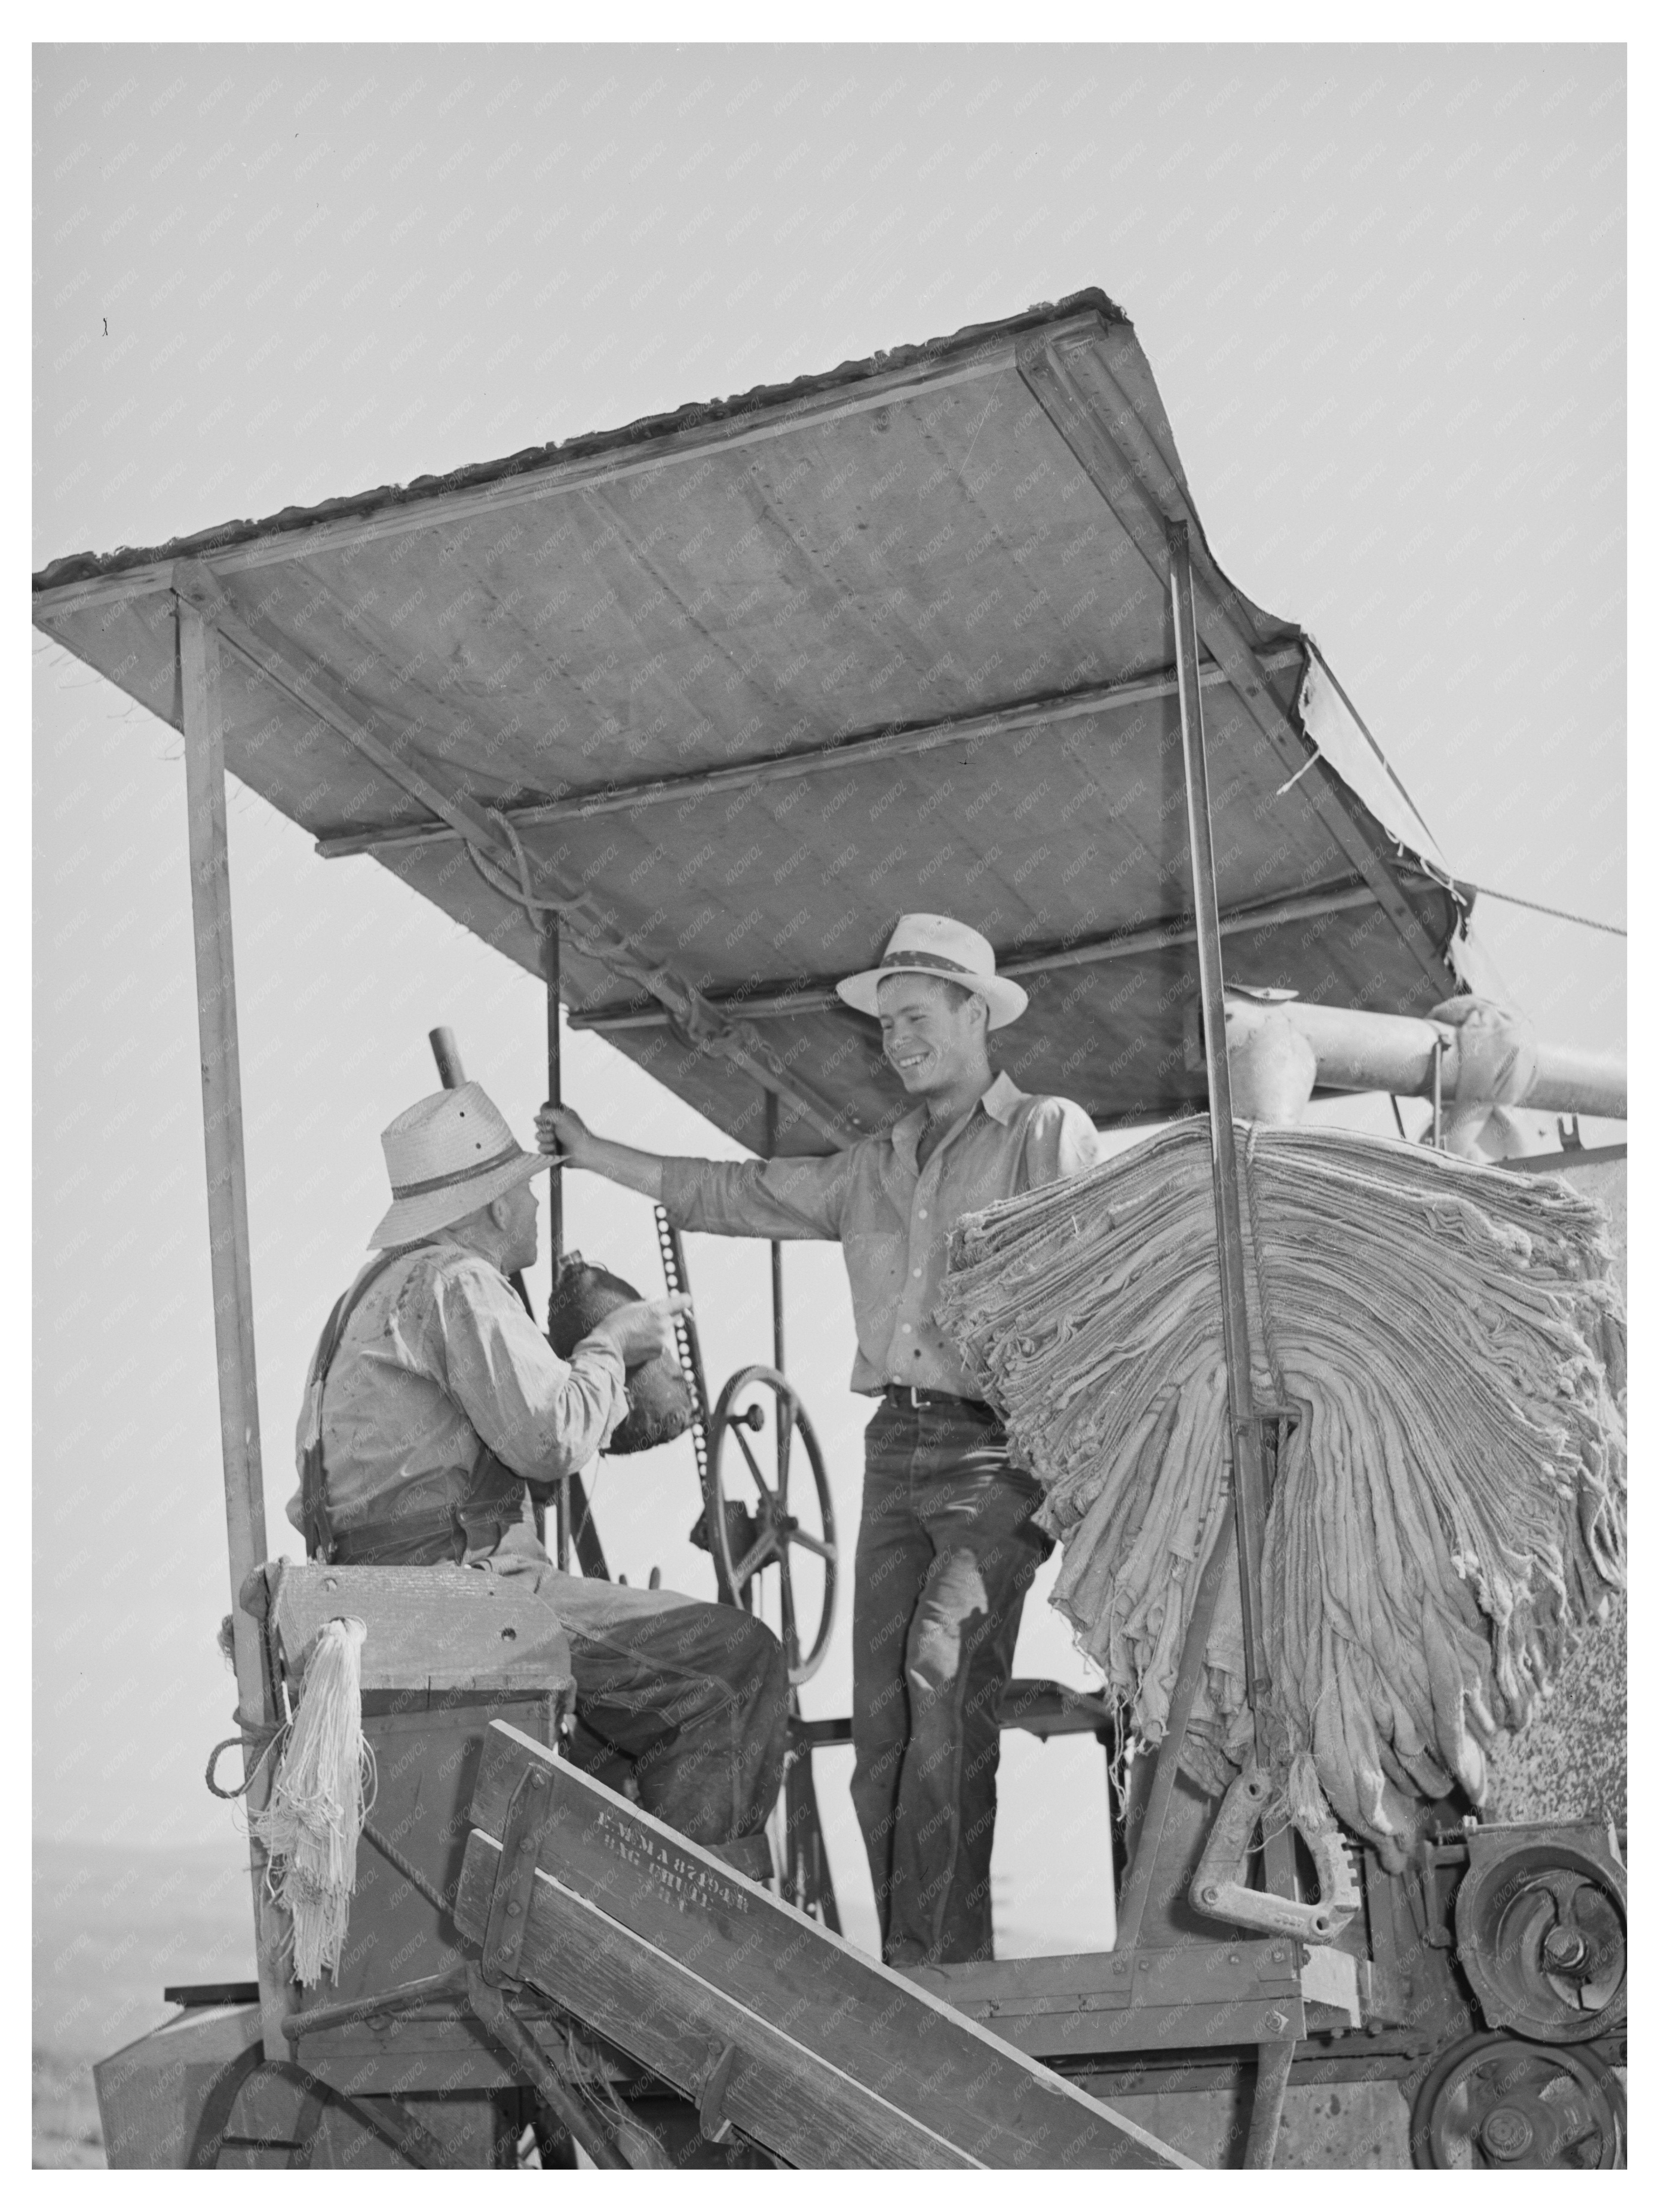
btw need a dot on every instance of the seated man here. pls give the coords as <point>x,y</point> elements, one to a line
<point>433,1400</point>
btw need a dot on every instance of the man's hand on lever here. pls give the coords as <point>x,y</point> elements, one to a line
<point>644,1329</point>
<point>562,1134</point>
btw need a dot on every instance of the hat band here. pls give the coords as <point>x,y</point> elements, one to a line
<point>514,1151</point>
<point>932,960</point>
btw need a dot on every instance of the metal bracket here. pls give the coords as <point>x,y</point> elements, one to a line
<point>712,2122</point>
<point>491,2010</point>
<point>1219,1888</point>
<point>527,1815</point>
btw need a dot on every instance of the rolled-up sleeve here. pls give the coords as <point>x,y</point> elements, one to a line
<point>1060,1141</point>
<point>757,1197</point>
<point>544,1417</point>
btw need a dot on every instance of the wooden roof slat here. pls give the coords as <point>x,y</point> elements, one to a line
<point>809,760</point>
<point>818,993</point>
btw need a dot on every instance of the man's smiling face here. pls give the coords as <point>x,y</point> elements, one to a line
<point>932,1032</point>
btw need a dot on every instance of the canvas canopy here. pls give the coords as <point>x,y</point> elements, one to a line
<point>737,685</point>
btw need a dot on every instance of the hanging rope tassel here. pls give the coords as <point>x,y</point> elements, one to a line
<point>324,1787</point>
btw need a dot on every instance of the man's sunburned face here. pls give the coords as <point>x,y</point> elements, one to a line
<point>930,1034</point>
<point>521,1228</point>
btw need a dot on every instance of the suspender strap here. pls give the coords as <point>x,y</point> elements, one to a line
<point>318,1530</point>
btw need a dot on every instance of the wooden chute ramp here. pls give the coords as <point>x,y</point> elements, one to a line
<point>749,2008</point>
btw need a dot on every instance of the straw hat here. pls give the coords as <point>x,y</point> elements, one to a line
<point>447,1156</point>
<point>933,945</point>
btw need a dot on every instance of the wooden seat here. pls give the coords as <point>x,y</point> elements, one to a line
<point>438,1629</point>
<point>448,1650</point>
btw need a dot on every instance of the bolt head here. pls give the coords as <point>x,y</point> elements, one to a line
<point>1506,2132</point>
<point>1276,2023</point>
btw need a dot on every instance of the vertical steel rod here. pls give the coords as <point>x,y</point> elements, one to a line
<point>550,952</point>
<point>1249,1468</point>
<point>228,1239</point>
<point>1244,1423</point>
<point>777,1248</point>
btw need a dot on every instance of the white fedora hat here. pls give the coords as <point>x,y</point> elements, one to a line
<point>447,1156</point>
<point>933,945</point>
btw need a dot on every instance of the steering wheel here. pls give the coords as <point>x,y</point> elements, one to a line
<point>744,1541</point>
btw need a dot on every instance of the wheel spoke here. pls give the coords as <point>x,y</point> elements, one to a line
<point>786,1439</point>
<point>743,1446</point>
<point>755,1558</point>
<point>813,1544</point>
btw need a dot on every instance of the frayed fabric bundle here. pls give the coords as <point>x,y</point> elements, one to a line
<point>1450,1512</point>
<point>323,1788</point>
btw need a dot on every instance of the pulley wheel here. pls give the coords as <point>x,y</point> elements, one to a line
<point>747,1537</point>
<point>1540,1936</point>
<point>1495,2101</point>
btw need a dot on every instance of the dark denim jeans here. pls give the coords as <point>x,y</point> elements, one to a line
<point>689,1700</point>
<point>946,1553</point>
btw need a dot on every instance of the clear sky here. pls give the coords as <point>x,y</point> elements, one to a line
<point>1382,291</point>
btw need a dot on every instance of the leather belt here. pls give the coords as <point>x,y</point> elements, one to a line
<point>906,1398</point>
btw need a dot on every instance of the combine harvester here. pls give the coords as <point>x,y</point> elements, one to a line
<point>657,715</point>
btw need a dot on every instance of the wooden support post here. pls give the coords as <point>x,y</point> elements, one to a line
<point>228,1239</point>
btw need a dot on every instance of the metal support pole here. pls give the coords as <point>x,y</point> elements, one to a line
<point>550,951</point>
<point>777,1248</point>
<point>1245,1427</point>
<point>227,1239</point>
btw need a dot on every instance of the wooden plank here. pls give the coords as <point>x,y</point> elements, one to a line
<point>898,2041</point>
<point>819,996</point>
<point>677,2023</point>
<point>400,2054</point>
<point>1194,1995</point>
<point>1142,493</point>
<point>227,1242</point>
<point>429,1628</point>
<point>1191,1973</point>
<point>1088,2032</point>
<point>810,759</point>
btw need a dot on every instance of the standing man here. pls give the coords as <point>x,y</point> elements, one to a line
<point>946,1546</point>
<point>434,1400</point>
